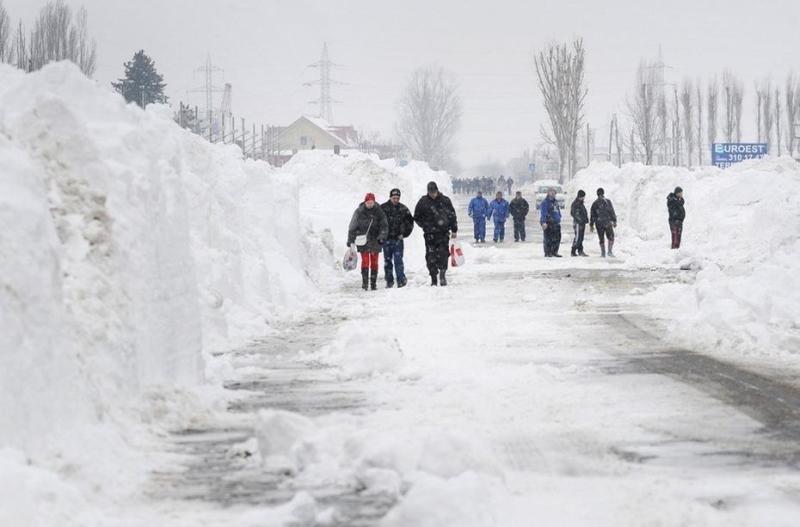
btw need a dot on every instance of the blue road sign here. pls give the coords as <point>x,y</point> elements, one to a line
<point>724,155</point>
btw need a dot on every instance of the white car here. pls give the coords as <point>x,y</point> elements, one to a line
<point>542,186</point>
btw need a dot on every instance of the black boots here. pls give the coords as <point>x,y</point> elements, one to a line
<point>442,278</point>
<point>581,253</point>
<point>611,248</point>
<point>373,281</point>
<point>434,280</point>
<point>364,279</point>
<point>401,282</point>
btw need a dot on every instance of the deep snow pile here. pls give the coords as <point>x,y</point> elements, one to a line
<point>128,248</point>
<point>742,231</point>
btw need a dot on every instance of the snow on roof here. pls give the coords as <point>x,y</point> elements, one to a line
<point>329,129</point>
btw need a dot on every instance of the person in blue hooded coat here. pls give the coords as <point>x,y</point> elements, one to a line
<point>478,210</point>
<point>551,224</point>
<point>498,212</point>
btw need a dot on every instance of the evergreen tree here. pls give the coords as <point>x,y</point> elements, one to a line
<point>142,83</point>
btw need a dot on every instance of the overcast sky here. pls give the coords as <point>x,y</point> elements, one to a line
<point>264,47</point>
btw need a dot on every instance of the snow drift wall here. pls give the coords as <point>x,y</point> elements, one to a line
<point>128,246</point>
<point>742,231</point>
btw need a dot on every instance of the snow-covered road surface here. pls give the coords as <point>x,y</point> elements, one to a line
<point>528,392</point>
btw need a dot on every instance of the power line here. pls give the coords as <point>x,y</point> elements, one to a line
<point>325,101</point>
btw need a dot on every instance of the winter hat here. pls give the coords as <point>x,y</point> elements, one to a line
<point>369,197</point>
<point>394,192</point>
<point>601,192</point>
<point>581,193</point>
<point>678,190</point>
<point>432,186</point>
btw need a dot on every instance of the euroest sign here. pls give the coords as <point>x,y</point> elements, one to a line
<point>724,155</point>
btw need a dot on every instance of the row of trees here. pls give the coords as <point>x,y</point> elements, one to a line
<point>667,123</point>
<point>57,34</point>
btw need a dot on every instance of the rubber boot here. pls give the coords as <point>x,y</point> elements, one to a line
<point>602,250</point>
<point>442,278</point>
<point>364,279</point>
<point>373,280</point>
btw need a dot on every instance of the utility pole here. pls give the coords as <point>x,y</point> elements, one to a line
<point>325,101</point>
<point>208,90</point>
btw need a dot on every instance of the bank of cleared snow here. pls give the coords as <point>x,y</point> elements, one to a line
<point>742,231</point>
<point>129,248</point>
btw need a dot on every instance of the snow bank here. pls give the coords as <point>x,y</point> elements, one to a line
<point>742,231</point>
<point>128,248</point>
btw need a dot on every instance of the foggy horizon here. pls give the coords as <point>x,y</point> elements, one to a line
<point>265,48</point>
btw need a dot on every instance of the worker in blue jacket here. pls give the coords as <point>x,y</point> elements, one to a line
<point>498,211</point>
<point>551,224</point>
<point>478,210</point>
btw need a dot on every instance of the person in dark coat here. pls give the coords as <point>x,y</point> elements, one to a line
<point>579,220</point>
<point>509,184</point>
<point>676,216</point>
<point>478,209</point>
<point>401,223</point>
<point>604,217</point>
<point>550,218</point>
<point>368,219</point>
<point>518,208</point>
<point>436,217</point>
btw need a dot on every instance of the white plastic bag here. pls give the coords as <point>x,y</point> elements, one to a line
<point>456,254</point>
<point>350,260</point>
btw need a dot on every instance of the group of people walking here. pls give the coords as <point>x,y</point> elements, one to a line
<point>498,211</point>
<point>382,228</point>
<point>375,228</point>
<point>485,184</point>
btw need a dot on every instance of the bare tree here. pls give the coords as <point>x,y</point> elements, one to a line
<point>768,116</point>
<point>5,33</point>
<point>560,73</point>
<point>57,35</point>
<point>734,96</point>
<point>792,111</point>
<point>663,121</point>
<point>430,115</point>
<point>712,103</point>
<point>699,124</point>
<point>644,110</point>
<point>759,106</point>
<point>687,103</point>
<point>778,119</point>
<point>20,56</point>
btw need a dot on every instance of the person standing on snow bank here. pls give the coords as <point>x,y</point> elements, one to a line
<point>436,217</point>
<point>605,218</point>
<point>369,223</point>
<point>676,216</point>
<point>518,208</point>
<point>498,210</point>
<point>477,210</point>
<point>401,223</point>
<point>579,220</point>
<point>550,218</point>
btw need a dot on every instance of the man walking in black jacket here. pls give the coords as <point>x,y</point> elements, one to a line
<point>519,210</point>
<point>436,216</point>
<point>401,223</point>
<point>676,216</point>
<point>605,218</point>
<point>579,220</point>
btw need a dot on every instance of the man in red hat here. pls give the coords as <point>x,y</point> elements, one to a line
<point>368,230</point>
